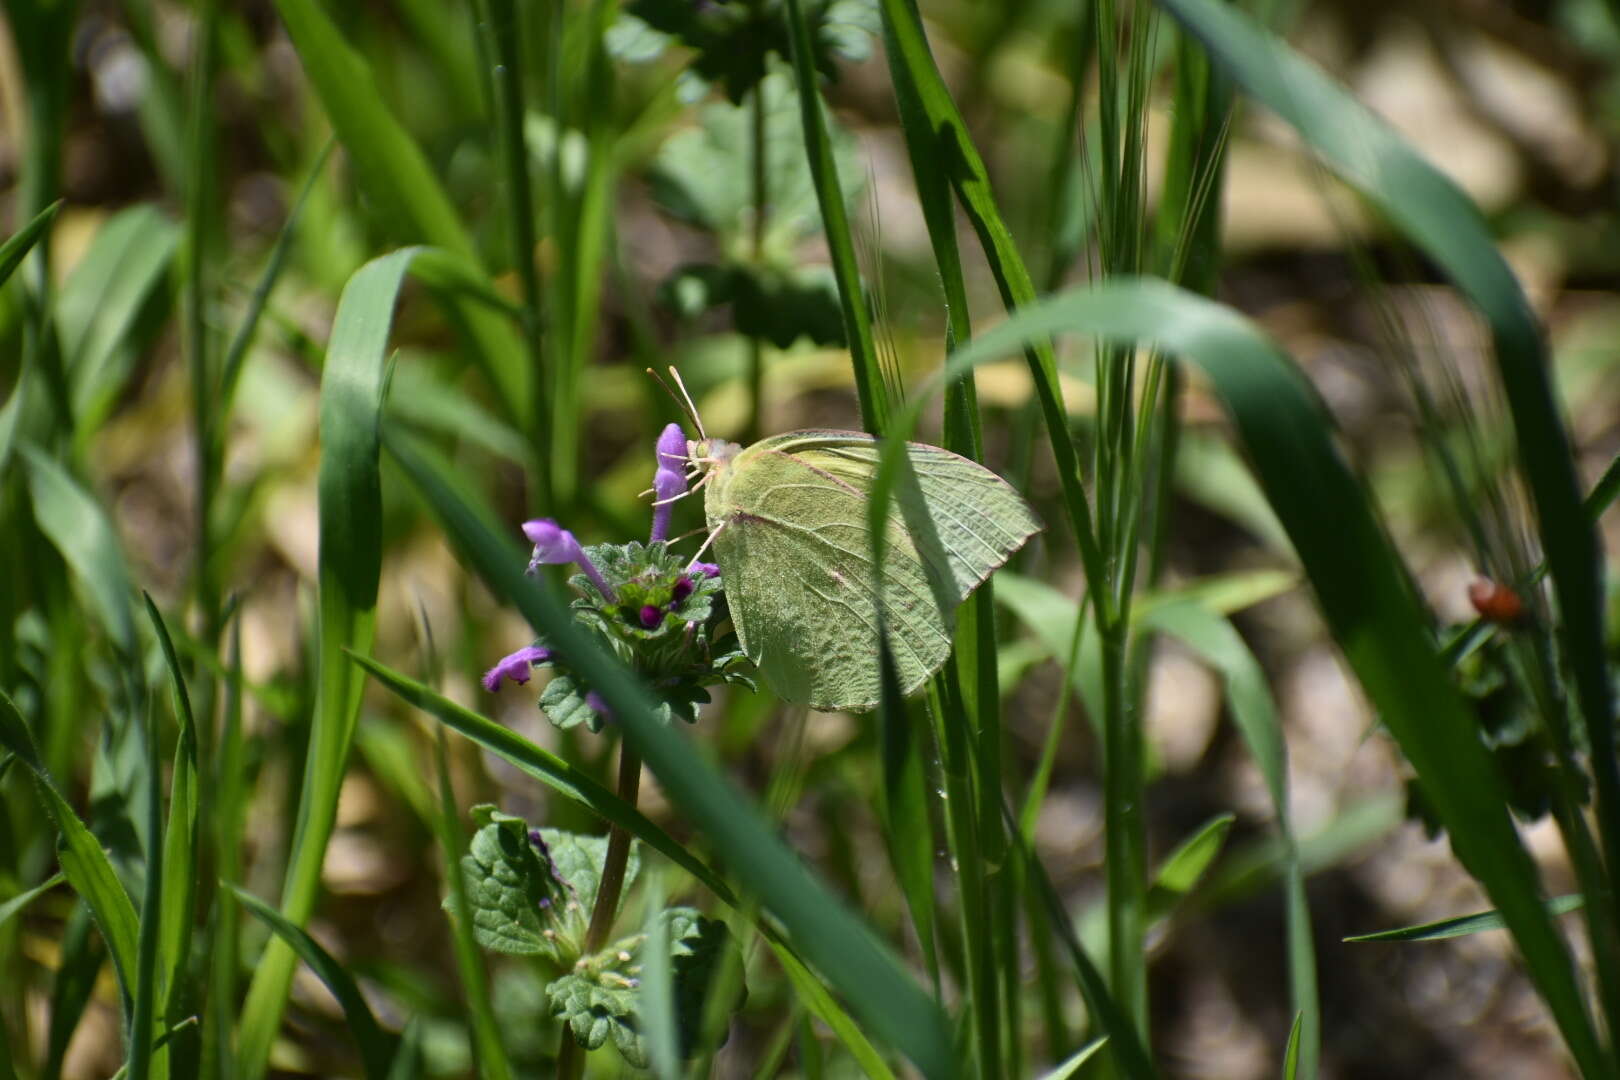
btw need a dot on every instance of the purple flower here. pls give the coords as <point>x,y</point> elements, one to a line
<point>669,481</point>
<point>594,700</point>
<point>683,588</point>
<point>554,545</point>
<point>707,569</point>
<point>515,667</point>
<point>651,616</point>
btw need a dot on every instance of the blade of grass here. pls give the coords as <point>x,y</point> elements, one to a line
<point>1429,209</point>
<point>1463,925</point>
<point>21,242</point>
<point>396,176</point>
<point>83,862</point>
<point>1360,583</point>
<point>376,1048</point>
<point>835,224</point>
<point>1215,640</point>
<point>841,947</point>
<point>570,782</point>
<point>180,852</point>
<point>15,905</point>
<point>350,495</point>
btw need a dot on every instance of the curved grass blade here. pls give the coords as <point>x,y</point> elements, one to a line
<point>21,242</point>
<point>84,864</point>
<point>1428,208</point>
<point>11,907</point>
<point>350,565</point>
<point>376,1048</point>
<point>1463,925</point>
<point>395,174</point>
<point>79,528</point>
<point>822,930</point>
<point>1361,586</point>
<point>1291,1054</point>
<point>1215,640</point>
<point>547,768</point>
<point>1074,1062</point>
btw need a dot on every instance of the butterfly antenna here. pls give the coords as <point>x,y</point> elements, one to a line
<point>691,409</point>
<point>682,399</point>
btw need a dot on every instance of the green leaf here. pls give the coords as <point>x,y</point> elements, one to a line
<point>734,40</point>
<point>376,1047</point>
<point>78,527</point>
<point>14,905</point>
<point>1184,866</point>
<point>703,174</point>
<point>99,304</point>
<point>1463,925</point>
<point>1071,1065</point>
<point>21,242</point>
<point>84,864</point>
<point>601,999</point>
<point>530,900</point>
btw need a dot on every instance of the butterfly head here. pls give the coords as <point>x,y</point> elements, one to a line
<point>708,454</point>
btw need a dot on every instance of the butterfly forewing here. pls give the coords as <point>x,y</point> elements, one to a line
<point>796,556</point>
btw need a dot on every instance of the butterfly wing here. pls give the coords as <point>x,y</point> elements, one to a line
<point>796,555</point>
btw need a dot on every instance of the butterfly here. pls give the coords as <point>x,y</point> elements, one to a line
<point>791,530</point>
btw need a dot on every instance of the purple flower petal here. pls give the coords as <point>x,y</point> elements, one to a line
<point>594,700</point>
<point>707,569</point>
<point>553,544</point>
<point>515,666</point>
<point>683,588</point>
<point>669,481</point>
<point>651,616</point>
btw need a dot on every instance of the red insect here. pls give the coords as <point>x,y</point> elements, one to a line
<point>1496,603</point>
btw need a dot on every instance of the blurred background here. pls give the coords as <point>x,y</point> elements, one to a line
<point>1519,102</point>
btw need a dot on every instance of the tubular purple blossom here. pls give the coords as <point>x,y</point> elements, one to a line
<point>669,480</point>
<point>515,666</point>
<point>555,545</point>
<point>707,569</point>
<point>651,616</point>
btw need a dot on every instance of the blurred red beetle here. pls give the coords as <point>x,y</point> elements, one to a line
<point>1495,602</point>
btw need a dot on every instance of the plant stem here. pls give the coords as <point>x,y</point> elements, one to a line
<point>570,1058</point>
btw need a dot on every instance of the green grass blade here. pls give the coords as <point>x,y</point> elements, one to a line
<point>80,529</point>
<point>831,939</point>
<point>1291,1053</point>
<point>1360,584</point>
<point>1214,639</point>
<point>179,840</point>
<point>350,494</point>
<point>1428,208</point>
<point>835,224</point>
<point>547,768</point>
<point>143,1025</point>
<point>396,176</point>
<point>21,242</point>
<point>83,862</point>
<point>1071,1065</point>
<point>1185,865</point>
<point>11,907</point>
<point>100,303</point>
<point>1463,925</point>
<point>960,160</point>
<point>376,1048</point>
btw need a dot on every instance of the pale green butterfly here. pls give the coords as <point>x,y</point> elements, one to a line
<point>790,528</point>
